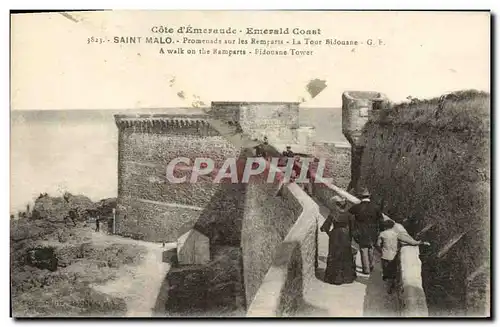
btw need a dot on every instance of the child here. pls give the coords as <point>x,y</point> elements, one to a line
<point>387,244</point>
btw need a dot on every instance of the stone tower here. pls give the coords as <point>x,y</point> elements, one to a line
<point>149,206</point>
<point>357,108</point>
<point>278,121</point>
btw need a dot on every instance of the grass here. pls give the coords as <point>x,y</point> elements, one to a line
<point>462,110</point>
<point>428,161</point>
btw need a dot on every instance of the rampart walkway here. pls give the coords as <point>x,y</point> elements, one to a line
<point>140,286</point>
<point>367,296</point>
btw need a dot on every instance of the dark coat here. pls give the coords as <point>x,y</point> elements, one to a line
<point>340,266</point>
<point>367,217</point>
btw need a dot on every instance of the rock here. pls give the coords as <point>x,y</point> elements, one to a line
<point>87,250</point>
<point>42,258</point>
<point>67,255</point>
<point>63,235</point>
<point>49,208</point>
<point>81,204</point>
<point>113,262</point>
<point>106,206</point>
<point>56,209</point>
<point>24,229</point>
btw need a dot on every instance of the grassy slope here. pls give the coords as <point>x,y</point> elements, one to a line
<point>429,160</point>
<point>463,110</point>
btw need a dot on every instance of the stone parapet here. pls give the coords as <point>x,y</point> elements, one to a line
<point>212,289</point>
<point>293,267</point>
<point>166,123</point>
<point>411,293</point>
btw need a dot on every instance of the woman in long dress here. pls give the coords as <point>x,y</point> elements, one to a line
<point>340,265</point>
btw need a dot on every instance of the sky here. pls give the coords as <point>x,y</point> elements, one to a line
<point>425,54</point>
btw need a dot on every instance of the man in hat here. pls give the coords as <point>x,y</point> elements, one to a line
<point>259,151</point>
<point>288,153</point>
<point>367,219</point>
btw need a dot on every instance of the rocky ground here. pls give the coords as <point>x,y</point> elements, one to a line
<point>57,262</point>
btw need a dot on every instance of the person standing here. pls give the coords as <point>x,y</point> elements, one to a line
<point>340,266</point>
<point>296,168</point>
<point>388,246</point>
<point>97,222</point>
<point>308,186</point>
<point>288,153</point>
<point>259,151</point>
<point>368,218</point>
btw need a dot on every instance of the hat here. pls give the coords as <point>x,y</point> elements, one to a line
<point>364,193</point>
<point>338,199</point>
<point>288,147</point>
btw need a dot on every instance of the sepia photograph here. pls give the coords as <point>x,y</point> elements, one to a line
<point>250,164</point>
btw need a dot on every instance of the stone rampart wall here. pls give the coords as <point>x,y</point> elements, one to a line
<point>293,266</point>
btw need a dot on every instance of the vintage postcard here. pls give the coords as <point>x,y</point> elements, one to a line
<point>250,164</point>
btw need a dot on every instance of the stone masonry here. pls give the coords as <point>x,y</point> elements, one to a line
<point>232,216</point>
<point>276,120</point>
<point>149,206</point>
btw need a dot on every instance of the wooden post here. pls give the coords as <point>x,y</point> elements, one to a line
<point>114,221</point>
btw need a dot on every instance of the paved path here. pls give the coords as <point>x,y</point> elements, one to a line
<point>367,296</point>
<point>141,286</point>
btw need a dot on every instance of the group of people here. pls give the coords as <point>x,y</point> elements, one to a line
<point>297,169</point>
<point>365,224</point>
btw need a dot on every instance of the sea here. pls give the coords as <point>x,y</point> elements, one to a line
<point>76,151</point>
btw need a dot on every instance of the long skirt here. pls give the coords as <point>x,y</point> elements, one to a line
<point>340,265</point>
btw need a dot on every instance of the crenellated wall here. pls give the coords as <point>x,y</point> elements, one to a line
<point>426,164</point>
<point>152,208</point>
<point>251,219</point>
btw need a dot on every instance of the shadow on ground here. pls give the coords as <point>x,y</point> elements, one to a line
<point>161,300</point>
<point>308,309</point>
<point>377,302</point>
